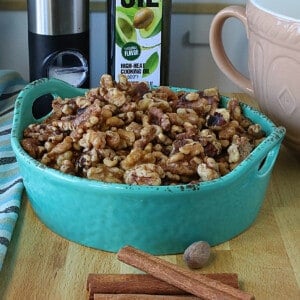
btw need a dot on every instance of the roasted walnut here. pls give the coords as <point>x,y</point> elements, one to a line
<point>125,132</point>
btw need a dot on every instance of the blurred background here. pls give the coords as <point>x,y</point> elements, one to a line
<point>191,63</point>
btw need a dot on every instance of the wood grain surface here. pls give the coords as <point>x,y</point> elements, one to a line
<point>42,265</point>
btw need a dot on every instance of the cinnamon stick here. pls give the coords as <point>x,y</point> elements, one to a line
<point>141,297</point>
<point>196,284</point>
<point>143,284</point>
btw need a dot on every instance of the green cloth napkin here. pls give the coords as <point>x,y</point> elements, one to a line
<point>11,185</point>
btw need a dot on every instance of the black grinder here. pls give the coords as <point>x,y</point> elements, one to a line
<point>58,39</point>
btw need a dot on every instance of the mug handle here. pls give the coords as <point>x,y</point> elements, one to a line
<point>217,48</point>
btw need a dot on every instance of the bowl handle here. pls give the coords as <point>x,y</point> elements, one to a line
<point>269,151</point>
<point>42,87</point>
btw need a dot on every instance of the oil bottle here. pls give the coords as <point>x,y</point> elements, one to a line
<point>139,39</point>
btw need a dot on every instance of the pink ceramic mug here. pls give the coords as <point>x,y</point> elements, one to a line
<point>273,32</point>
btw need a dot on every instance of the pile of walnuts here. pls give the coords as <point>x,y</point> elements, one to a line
<point>125,132</point>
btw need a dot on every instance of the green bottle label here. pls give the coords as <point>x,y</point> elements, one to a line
<point>138,39</point>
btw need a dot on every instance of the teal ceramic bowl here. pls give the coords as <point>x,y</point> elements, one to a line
<point>160,220</point>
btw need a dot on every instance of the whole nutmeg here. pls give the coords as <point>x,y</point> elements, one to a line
<point>197,254</point>
<point>143,18</point>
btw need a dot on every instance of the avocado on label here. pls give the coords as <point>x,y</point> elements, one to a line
<point>138,32</point>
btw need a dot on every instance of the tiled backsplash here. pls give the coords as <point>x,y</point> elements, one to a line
<point>180,6</point>
<point>191,61</point>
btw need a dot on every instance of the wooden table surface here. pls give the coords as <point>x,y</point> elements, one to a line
<point>42,265</point>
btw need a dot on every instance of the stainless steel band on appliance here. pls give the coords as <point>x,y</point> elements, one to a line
<point>57,17</point>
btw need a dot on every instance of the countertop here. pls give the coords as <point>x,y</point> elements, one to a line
<point>266,257</point>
